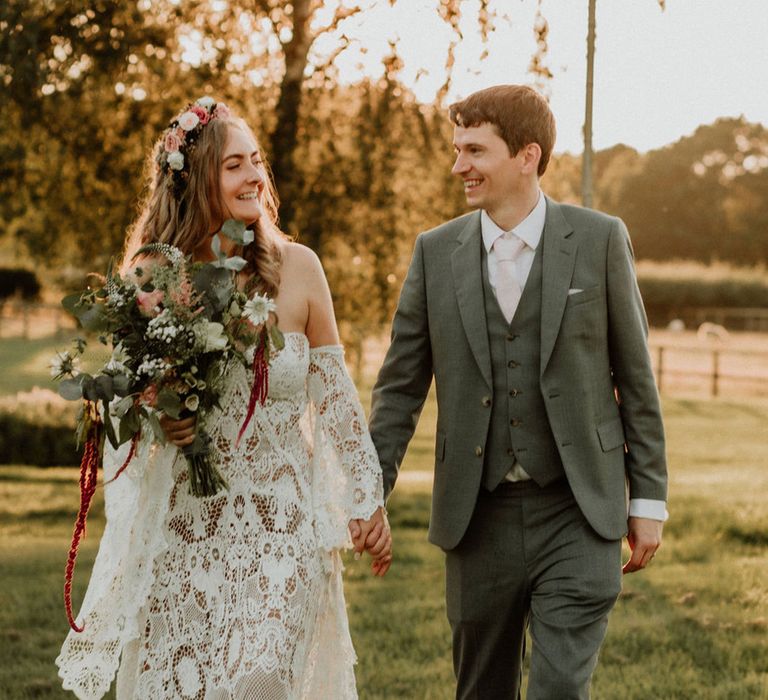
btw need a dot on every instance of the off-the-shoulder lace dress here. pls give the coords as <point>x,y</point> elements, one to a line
<point>237,596</point>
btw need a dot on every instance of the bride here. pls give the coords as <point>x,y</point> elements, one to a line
<point>239,595</point>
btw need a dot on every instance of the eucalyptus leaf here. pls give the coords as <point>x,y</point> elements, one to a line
<point>71,389</point>
<point>121,385</point>
<point>236,231</point>
<point>126,430</point>
<point>235,263</point>
<point>216,285</point>
<point>132,420</point>
<point>277,338</point>
<point>71,301</point>
<point>94,318</point>
<point>89,387</point>
<point>121,407</point>
<point>169,402</point>
<point>157,429</point>
<point>104,388</point>
<point>216,246</point>
<point>110,430</point>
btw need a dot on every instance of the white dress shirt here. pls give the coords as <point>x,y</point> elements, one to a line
<point>530,230</point>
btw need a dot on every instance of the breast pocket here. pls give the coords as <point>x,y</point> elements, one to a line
<point>583,297</point>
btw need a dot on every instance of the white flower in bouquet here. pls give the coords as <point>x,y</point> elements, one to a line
<point>257,310</point>
<point>211,335</point>
<point>206,102</point>
<point>176,160</point>
<point>64,364</point>
<point>117,361</point>
<point>192,402</point>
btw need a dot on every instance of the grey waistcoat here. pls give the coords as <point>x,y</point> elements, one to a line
<point>519,427</point>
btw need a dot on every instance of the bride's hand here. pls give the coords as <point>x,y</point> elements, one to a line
<point>373,536</point>
<point>179,432</point>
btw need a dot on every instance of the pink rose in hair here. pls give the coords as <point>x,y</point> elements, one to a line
<point>149,302</point>
<point>221,111</point>
<point>201,112</point>
<point>172,141</point>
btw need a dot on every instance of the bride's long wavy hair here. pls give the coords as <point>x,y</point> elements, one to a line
<point>186,219</point>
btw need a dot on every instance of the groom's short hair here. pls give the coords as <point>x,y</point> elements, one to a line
<point>520,114</point>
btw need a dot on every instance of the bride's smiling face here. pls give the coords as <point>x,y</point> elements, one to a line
<point>242,177</point>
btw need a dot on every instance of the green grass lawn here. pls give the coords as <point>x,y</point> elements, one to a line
<point>692,626</point>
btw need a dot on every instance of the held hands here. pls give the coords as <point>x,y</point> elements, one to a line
<point>373,536</point>
<point>179,432</point>
<point>644,539</point>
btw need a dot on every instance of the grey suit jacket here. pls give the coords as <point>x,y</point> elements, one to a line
<point>595,370</point>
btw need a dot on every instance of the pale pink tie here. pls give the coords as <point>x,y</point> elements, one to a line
<point>508,289</point>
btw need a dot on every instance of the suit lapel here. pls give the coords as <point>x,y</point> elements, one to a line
<point>559,258</point>
<point>466,265</point>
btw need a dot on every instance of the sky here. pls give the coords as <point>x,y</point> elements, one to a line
<point>658,74</point>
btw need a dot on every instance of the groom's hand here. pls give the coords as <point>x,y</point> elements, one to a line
<point>373,536</point>
<point>644,538</point>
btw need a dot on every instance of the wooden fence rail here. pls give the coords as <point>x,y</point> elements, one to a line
<point>713,370</point>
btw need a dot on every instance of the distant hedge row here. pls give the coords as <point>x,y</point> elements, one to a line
<point>26,441</point>
<point>675,289</point>
<point>679,293</point>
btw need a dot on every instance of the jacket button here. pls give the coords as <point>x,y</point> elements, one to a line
<point>512,336</point>
<point>510,452</point>
<point>514,392</point>
<point>486,400</point>
<point>513,364</point>
<point>479,451</point>
<point>515,422</point>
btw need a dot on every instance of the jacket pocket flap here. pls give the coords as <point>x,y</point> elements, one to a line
<point>440,446</point>
<point>611,434</point>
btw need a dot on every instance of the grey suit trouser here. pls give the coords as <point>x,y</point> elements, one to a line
<point>529,558</point>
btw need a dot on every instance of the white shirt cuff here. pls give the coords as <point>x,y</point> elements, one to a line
<point>648,508</point>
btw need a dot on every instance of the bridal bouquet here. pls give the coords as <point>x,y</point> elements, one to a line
<point>174,326</point>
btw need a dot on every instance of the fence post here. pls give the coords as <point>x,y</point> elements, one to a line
<point>715,371</point>
<point>659,366</point>
<point>25,321</point>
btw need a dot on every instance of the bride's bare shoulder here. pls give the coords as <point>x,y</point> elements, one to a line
<point>299,258</point>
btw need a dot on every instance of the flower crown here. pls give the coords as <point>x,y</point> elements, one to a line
<point>180,138</point>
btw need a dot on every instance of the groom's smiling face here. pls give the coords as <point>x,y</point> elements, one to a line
<point>491,174</point>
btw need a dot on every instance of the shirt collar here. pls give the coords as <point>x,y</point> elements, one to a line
<point>529,229</point>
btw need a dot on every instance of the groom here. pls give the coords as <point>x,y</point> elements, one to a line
<point>527,314</point>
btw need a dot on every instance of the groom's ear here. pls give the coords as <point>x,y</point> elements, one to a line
<point>531,155</point>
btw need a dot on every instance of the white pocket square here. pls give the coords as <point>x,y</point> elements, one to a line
<point>571,292</point>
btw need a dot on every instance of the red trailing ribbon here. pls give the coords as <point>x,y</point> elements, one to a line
<point>131,453</point>
<point>88,475</point>
<point>260,385</point>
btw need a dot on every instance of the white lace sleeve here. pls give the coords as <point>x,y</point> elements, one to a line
<point>346,479</point>
<point>135,506</point>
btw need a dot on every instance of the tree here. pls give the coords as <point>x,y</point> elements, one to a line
<point>586,176</point>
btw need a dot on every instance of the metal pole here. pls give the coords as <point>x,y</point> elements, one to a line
<point>659,366</point>
<point>586,160</point>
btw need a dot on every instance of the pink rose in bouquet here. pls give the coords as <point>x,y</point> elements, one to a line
<point>149,302</point>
